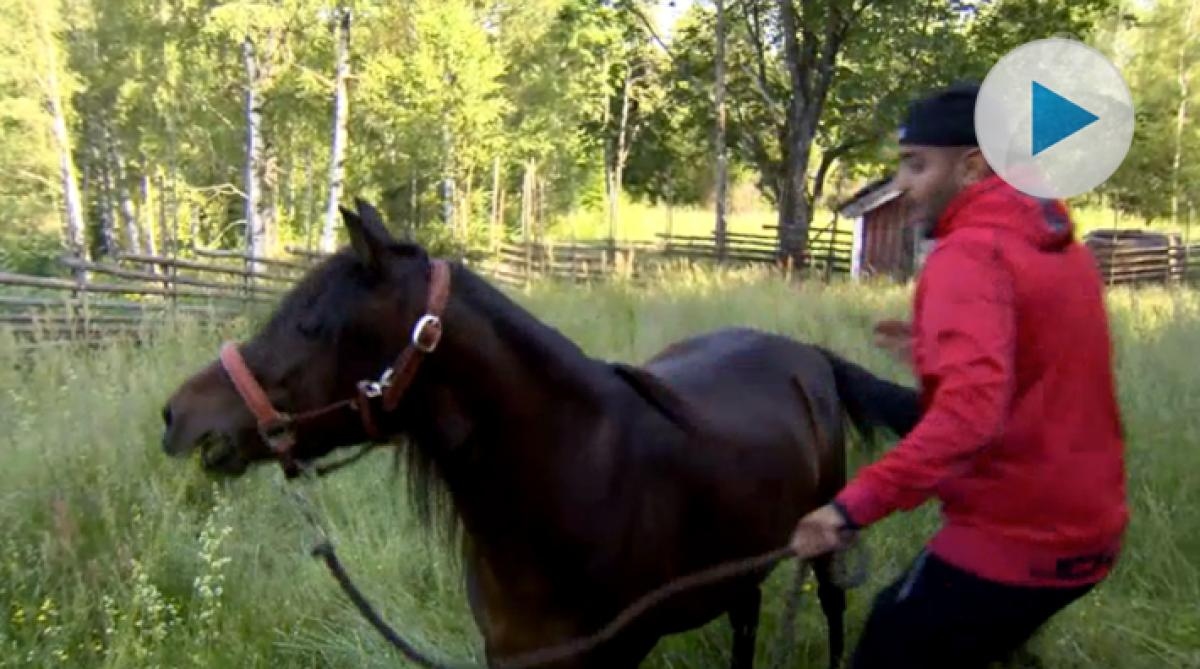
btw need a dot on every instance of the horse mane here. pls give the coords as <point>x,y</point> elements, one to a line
<point>429,492</point>
<point>312,303</point>
<point>521,330</point>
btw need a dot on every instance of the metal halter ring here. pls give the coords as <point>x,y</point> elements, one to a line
<point>419,329</point>
<point>375,388</point>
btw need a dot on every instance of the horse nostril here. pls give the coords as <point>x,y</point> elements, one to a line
<point>166,415</point>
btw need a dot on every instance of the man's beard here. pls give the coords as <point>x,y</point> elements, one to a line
<point>927,224</point>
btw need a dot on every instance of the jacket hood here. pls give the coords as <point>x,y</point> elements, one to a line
<point>993,203</point>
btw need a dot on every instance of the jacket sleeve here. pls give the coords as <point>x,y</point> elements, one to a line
<point>967,338</point>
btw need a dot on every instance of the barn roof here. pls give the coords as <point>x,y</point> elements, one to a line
<point>869,197</point>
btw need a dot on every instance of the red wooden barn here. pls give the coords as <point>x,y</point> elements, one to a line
<point>885,240</point>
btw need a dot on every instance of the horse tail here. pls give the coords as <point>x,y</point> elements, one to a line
<point>871,401</point>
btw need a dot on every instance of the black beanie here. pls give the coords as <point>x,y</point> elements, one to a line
<point>946,118</point>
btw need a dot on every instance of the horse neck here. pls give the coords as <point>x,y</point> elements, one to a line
<point>492,345</point>
<point>491,407</point>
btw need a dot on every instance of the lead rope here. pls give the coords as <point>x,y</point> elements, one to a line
<point>323,549</point>
<point>845,576</point>
<point>785,638</point>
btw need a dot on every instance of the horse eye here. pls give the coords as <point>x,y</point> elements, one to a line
<point>308,328</point>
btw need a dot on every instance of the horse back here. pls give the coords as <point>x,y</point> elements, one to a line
<point>761,445</point>
<point>751,386</point>
<point>768,415</point>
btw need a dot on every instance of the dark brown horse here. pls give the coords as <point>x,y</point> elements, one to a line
<point>581,484</point>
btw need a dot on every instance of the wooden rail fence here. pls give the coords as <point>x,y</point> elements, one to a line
<point>128,296</point>
<point>82,314</point>
<point>1135,257</point>
<point>579,261</point>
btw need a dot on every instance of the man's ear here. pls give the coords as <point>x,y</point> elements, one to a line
<point>972,166</point>
<point>368,237</point>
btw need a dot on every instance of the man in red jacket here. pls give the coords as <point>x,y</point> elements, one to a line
<point>1020,435</point>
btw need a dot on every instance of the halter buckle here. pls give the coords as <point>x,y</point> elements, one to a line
<point>374,389</point>
<point>419,330</point>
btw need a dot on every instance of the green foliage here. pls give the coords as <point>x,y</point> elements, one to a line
<point>429,98</point>
<point>893,52</point>
<point>561,88</point>
<point>1148,184</point>
<point>29,190</point>
<point>440,90</point>
<point>31,251</point>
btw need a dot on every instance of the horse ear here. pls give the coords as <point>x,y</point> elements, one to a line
<point>368,236</point>
<point>348,214</point>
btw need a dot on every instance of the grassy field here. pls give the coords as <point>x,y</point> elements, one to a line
<point>112,555</point>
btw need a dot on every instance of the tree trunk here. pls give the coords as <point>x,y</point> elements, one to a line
<point>87,186</point>
<point>143,208</point>
<point>616,154</point>
<point>124,201</point>
<point>106,196</point>
<point>622,154</point>
<point>194,217</point>
<point>539,197</point>
<point>494,220</point>
<point>147,218</point>
<point>287,186</point>
<point>310,214</point>
<point>414,204</point>
<point>526,217</point>
<point>464,206</point>
<point>254,168</point>
<point>269,202</point>
<point>168,184</point>
<point>1181,114</point>
<point>341,114</point>
<point>609,161</point>
<point>173,176</point>
<point>72,202</point>
<point>526,200</point>
<point>810,64</point>
<point>166,241</point>
<point>719,140</point>
<point>793,205</point>
<point>448,168</point>
<point>133,237</point>
<point>447,178</point>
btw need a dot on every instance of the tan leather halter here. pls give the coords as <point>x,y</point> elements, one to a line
<point>279,429</point>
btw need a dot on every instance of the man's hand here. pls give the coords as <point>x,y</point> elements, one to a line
<point>895,337</point>
<point>821,531</point>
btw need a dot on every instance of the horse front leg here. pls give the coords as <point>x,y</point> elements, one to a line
<point>743,617</point>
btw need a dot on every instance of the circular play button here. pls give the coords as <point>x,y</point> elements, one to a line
<point>1054,118</point>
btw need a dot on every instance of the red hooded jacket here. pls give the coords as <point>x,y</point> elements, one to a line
<point>1021,436</point>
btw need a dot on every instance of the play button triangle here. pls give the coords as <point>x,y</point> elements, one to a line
<point>1056,118</point>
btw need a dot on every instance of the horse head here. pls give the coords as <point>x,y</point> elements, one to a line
<point>315,376</point>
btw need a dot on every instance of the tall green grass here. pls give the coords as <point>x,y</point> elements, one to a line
<point>112,555</point>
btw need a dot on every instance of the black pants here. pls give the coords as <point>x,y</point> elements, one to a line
<point>937,615</point>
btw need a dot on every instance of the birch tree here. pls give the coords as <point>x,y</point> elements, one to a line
<point>721,159</point>
<point>341,115</point>
<point>55,90</point>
